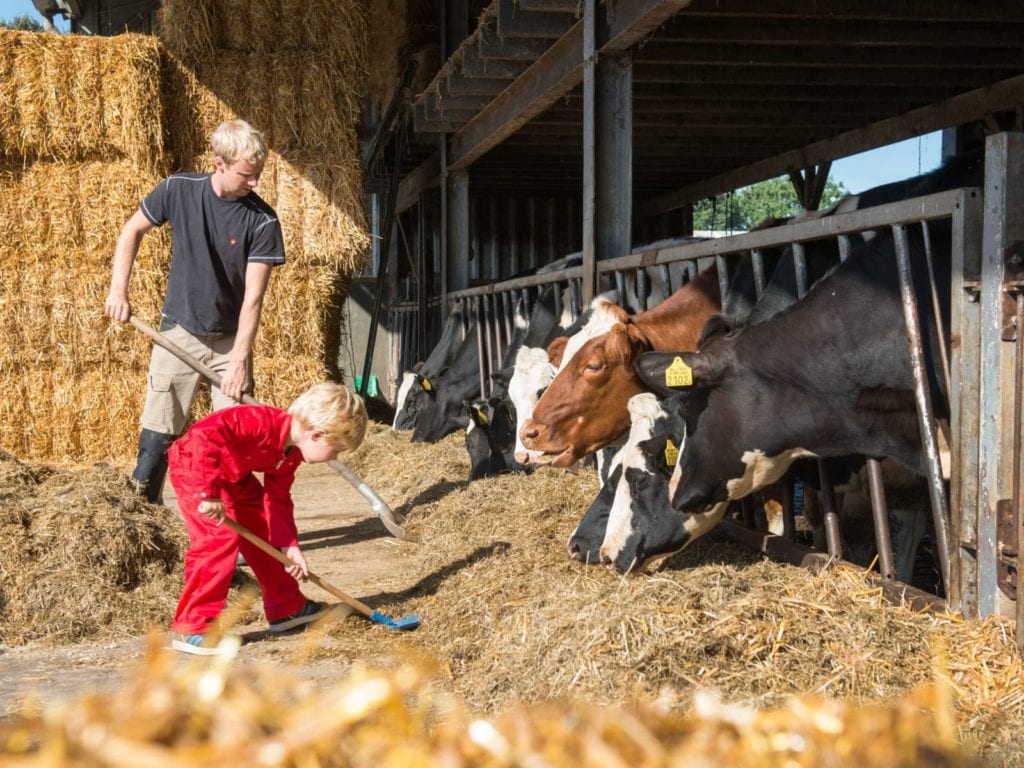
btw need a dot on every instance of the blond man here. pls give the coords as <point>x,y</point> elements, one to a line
<point>226,240</point>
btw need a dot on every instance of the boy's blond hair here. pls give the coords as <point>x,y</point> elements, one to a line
<point>235,140</point>
<point>331,407</point>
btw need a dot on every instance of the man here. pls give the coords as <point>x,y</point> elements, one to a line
<point>226,241</point>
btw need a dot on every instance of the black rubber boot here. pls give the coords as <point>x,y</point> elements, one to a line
<point>151,466</point>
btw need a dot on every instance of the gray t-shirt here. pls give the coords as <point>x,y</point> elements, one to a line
<point>214,240</point>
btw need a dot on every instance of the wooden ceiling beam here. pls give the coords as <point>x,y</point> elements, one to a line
<point>516,21</point>
<point>964,11</point>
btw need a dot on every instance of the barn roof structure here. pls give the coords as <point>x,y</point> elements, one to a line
<point>723,92</point>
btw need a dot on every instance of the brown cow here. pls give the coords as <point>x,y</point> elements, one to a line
<point>585,407</point>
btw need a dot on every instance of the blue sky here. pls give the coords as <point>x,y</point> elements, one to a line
<point>11,8</point>
<point>857,173</point>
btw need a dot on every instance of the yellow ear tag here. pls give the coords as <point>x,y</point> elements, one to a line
<point>671,454</point>
<point>425,383</point>
<point>481,417</point>
<point>679,374</point>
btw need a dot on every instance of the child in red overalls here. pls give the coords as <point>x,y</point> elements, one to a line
<point>211,468</point>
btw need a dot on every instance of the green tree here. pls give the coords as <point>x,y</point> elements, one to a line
<point>742,209</point>
<point>24,22</point>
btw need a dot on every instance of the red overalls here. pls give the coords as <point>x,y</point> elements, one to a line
<point>215,459</point>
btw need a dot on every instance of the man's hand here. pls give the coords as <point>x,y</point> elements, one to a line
<point>234,381</point>
<point>213,509</point>
<point>299,569</point>
<point>117,307</point>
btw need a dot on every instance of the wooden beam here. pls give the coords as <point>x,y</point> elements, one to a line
<point>554,6</point>
<point>475,65</point>
<point>555,73</point>
<point>492,45</point>
<point>966,11</point>
<point>516,21</point>
<point>966,107</point>
<point>426,176</point>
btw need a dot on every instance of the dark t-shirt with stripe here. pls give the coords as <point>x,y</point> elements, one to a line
<point>214,240</point>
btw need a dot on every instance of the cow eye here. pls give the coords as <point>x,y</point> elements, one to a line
<point>595,365</point>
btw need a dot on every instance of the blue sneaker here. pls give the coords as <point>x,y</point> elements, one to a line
<point>197,645</point>
<point>311,611</point>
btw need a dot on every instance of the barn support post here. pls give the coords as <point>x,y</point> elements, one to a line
<point>965,325</point>
<point>1002,274</point>
<point>589,201</point>
<point>457,252</point>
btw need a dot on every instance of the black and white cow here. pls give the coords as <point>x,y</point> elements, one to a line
<point>419,380</point>
<point>829,376</point>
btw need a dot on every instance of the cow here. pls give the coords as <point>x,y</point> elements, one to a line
<point>440,408</point>
<point>822,378</point>
<point>418,380</point>
<point>584,408</point>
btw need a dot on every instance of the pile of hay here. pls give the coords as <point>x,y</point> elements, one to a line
<point>211,714</point>
<point>89,125</point>
<point>81,556</point>
<point>513,619</point>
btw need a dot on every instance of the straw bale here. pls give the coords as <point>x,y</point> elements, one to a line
<point>215,713</point>
<point>285,91</point>
<point>189,27</point>
<point>181,93</point>
<point>301,301</point>
<point>279,380</point>
<point>10,121</point>
<point>75,97</point>
<point>83,556</point>
<point>320,207</point>
<point>386,37</point>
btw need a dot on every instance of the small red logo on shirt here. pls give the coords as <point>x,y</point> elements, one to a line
<point>233,241</point>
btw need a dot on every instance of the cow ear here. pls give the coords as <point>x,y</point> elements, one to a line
<point>476,414</point>
<point>668,372</point>
<point>425,383</point>
<point>624,343</point>
<point>556,349</point>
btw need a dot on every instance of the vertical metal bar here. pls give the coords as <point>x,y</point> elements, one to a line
<point>641,288</point>
<point>1017,464</point>
<point>620,288</point>
<point>926,421</point>
<point>828,507</point>
<point>487,316</point>
<point>880,514</point>
<point>666,278</point>
<point>800,268</point>
<point>481,356</point>
<point>965,399</point>
<point>844,247</point>
<point>613,161</point>
<point>513,236</point>
<point>936,306</point>
<point>589,201</point>
<point>508,306</point>
<point>757,261</point>
<point>723,277</point>
<point>531,232</point>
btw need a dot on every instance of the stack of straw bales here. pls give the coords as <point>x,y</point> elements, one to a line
<point>81,129</point>
<point>88,126</point>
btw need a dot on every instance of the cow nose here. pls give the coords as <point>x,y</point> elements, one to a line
<point>522,457</point>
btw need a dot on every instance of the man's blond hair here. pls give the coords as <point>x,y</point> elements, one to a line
<point>235,140</point>
<point>331,407</point>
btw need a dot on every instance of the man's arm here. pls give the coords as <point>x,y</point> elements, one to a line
<point>117,305</point>
<point>236,377</point>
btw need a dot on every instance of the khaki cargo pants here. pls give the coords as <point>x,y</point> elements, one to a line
<point>172,384</point>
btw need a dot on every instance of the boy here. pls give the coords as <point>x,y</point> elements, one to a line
<point>211,469</point>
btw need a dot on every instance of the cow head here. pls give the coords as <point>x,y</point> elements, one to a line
<point>731,446</point>
<point>406,402</point>
<point>585,542</point>
<point>531,375</point>
<point>642,525</point>
<point>584,408</point>
<point>490,437</point>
